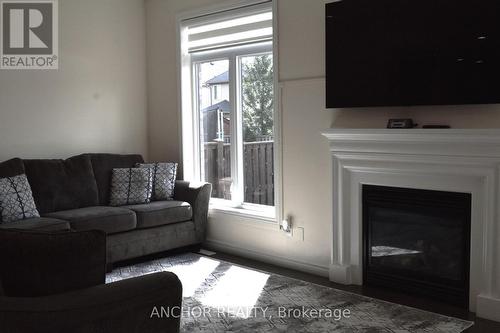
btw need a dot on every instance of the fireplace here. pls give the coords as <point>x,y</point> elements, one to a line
<point>447,163</point>
<point>417,241</point>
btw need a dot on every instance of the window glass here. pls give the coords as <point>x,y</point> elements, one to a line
<point>258,128</point>
<point>215,126</point>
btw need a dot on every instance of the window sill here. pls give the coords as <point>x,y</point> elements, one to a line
<point>262,215</point>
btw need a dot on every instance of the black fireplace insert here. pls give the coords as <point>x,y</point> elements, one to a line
<point>417,241</point>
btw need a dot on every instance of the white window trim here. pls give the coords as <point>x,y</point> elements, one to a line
<point>266,215</point>
<point>189,124</point>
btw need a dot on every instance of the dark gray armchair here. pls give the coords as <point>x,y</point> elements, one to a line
<point>54,282</point>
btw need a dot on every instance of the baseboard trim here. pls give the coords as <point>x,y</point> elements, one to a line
<point>488,307</point>
<point>216,245</point>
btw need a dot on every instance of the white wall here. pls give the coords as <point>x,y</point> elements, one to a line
<point>96,101</point>
<point>306,170</point>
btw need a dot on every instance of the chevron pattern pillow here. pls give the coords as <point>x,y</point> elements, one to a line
<point>16,199</point>
<point>130,186</point>
<point>164,175</point>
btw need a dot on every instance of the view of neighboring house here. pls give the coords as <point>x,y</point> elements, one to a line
<point>219,88</point>
<point>216,116</point>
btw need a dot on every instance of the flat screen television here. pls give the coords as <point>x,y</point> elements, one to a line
<point>412,52</point>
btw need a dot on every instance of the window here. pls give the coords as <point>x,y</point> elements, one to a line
<point>215,93</point>
<point>229,105</point>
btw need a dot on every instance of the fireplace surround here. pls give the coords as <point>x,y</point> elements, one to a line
<point>450,160</point>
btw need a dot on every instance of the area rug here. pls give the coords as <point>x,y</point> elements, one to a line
<point>222,297</point>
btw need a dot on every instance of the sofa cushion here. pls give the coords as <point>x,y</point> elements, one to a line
<point>164,175</point>
<point>11,168</point>
<point>131,186</point>
<point>161,213</point>
<point>62,184</point>
<point>111,220</point>
<point>16,199</point>
<point>38,224</point>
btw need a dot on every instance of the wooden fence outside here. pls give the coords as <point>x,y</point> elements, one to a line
<point>258,158</point>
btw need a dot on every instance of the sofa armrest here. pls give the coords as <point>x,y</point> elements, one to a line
<point>198,196</point>
<point>124,306</point>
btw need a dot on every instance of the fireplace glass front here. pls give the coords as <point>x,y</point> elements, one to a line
<point>417,241</point>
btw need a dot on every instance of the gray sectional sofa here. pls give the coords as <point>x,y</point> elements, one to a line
<point>73,194</point>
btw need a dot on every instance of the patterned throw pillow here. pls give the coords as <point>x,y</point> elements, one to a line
<point>131,186</point>
<point>164,175</point>
<point>16,199</point>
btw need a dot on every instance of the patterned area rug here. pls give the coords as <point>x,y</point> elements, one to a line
<point>223,297</point>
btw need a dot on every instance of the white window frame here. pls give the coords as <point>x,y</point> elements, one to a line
<point>189,120</point>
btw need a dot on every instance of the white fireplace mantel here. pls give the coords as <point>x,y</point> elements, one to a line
<point>455,160</point>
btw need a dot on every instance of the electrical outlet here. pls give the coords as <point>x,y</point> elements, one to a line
<point>298,233</point>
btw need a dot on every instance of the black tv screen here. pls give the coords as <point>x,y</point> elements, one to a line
<point>412,52</point>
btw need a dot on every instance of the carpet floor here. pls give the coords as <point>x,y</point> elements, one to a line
<point>222,297</point>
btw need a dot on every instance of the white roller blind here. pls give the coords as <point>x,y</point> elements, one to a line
<point>230,28</point>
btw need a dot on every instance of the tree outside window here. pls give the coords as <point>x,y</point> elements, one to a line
<point>257,96</point>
